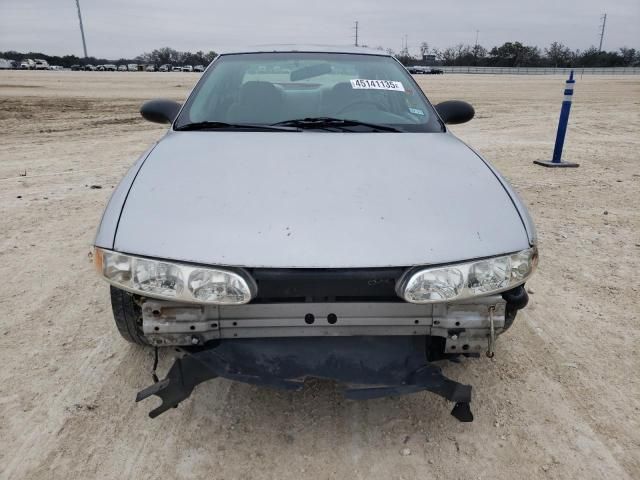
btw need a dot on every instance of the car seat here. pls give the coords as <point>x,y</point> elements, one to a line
<point>258,102</point>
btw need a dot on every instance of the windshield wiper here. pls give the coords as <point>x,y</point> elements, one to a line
<point>329,122</point>
<point>235,126</point>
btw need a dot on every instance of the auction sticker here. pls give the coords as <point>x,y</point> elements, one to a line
<point>360,83</point>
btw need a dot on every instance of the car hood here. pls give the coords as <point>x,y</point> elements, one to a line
<point>317,200</point>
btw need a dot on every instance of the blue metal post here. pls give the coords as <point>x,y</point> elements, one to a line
<point>564,119</point>
<point>556,161</point>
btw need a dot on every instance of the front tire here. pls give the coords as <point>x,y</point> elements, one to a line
<point>128,316</point>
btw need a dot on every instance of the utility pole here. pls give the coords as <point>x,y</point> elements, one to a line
<point>602,27</point>
<point>475,49</point>
<point>356,29</point>
<point>84,43</point>
<point>405,46</point>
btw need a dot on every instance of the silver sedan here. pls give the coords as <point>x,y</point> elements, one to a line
<point>309,214</point>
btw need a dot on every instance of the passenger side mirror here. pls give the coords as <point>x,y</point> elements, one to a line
<point>453,112</point>
<point>160,110</point>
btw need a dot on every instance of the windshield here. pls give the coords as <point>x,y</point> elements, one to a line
<point>276,88</point>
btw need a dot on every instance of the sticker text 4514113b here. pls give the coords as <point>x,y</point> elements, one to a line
<point>360,83</point>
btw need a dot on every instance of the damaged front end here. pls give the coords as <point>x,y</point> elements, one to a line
<point>374,349</point>
<point>394,366</point>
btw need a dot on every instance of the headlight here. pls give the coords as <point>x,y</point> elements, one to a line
<point>470,279</point>
<point>174,281</point>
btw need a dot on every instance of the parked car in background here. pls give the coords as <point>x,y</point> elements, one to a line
<point>110,67</point>
<point>416,69</point>
<point>165,68</point>
<point>76,67</point>
<point>150,68</point>
<point>198,68</point>
<point>132,67</point>
<point>27,64</point>
<point>122,68</point>
<point>89,68</point>
<point>340,231</point>
<point>421,70</point>
<point>100,68</point>
<point>187,68</point>
<point>41,64</point>
<point>176,69</point>
<point>6,64</point>
<point>55,67</point>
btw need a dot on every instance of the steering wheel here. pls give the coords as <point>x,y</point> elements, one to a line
<point>350,106</point>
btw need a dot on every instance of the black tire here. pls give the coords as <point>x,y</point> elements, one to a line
<point>128,316</point>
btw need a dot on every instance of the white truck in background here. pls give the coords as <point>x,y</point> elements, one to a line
<point>27,64</point>
<point>41,64</point>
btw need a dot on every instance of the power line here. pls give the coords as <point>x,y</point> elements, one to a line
<point>84,43</point>
<point>603,18</point>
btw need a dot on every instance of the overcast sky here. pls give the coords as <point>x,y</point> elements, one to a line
<point>126,28</point>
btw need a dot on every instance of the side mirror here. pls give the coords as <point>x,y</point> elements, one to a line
<point>160,110</point>
<point>453,112</point>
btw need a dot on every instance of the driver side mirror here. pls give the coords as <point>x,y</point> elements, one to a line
<point>453,112</point>
<point>160,110</point>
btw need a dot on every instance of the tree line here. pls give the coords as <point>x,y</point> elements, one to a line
<point>510,54</point>
<point>516,54</point>
<point>166,55</point>
<point>157,57</point>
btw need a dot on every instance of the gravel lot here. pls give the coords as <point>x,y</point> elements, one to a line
<point>561,399</point>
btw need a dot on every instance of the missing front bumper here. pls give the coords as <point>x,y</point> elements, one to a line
<point>369,367</point>
<point>375,349</point>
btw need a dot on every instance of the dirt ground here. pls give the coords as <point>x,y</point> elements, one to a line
<point>561,399</point>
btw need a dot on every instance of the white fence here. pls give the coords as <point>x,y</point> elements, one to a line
<point>543,70</point>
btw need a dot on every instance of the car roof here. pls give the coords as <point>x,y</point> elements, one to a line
<point>305,48</point>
